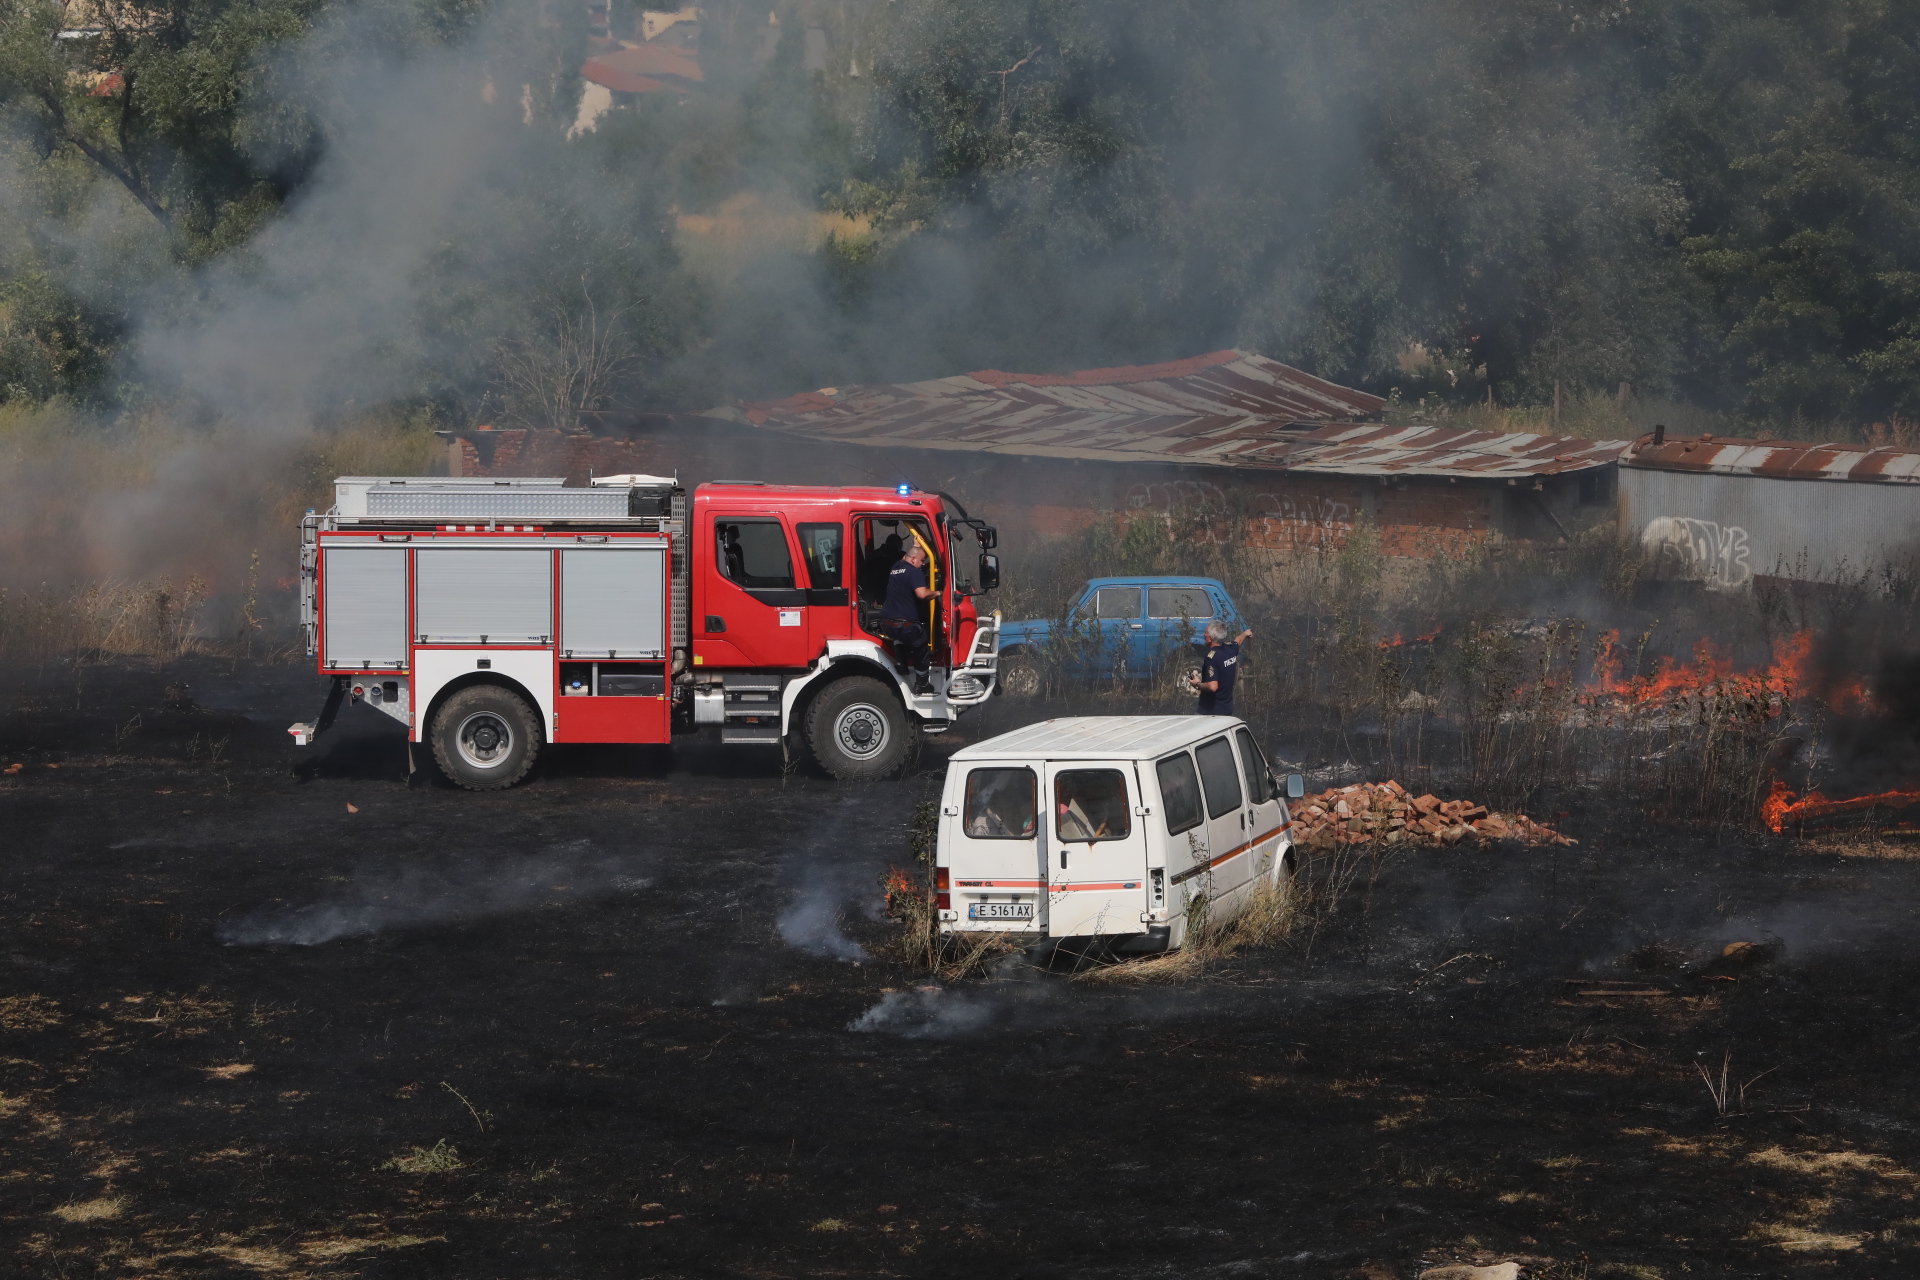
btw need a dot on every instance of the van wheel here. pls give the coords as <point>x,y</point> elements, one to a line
<point>485,738</point>
<point>1284,871</point>
<point>1019,677</point>
<point>858,730</point>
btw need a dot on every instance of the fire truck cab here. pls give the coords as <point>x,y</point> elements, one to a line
<point>494,617</point>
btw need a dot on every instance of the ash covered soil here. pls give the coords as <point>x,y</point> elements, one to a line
<point>639,1017</point>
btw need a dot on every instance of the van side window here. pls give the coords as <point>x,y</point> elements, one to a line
<point>1220,775</point>
<point>753,553</point>
<point>1179,793</point>
<point>1001,804</point>
<point>1259,777</point>
<point>1091,804</point>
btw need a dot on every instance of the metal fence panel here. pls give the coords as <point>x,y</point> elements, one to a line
<point>613,602</point>
<point>365,605</point>
<point>477,595</point>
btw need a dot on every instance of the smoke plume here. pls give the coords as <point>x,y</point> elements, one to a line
<point>416,897</point>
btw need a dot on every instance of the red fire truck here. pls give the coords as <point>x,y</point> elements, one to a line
<point>492,617</point>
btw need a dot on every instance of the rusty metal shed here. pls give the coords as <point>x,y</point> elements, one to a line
<point>1723,512</point>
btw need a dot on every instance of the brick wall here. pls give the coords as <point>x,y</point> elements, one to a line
<point>1433,519</point>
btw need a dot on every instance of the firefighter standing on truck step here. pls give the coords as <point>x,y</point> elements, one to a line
<point>899,614</point>
<point>1218,670</point>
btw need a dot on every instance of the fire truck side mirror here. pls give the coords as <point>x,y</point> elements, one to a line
<point>989,537</point>
<point>989,571</point>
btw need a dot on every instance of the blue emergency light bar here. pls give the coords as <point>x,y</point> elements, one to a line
<point>903,490</point>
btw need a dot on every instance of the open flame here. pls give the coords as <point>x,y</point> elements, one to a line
<point>1780,807</point>
<point>1397,640</point>
<point>1790,673</point>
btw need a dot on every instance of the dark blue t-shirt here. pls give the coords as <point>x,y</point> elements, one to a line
<point>902,582</point>
<point>1222,663</point>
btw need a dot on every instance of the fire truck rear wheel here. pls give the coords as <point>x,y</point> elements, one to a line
<point>858,730</point>
<point>485,738</point>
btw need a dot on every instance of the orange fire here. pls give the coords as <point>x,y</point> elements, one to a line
<point>1397,641</point>
<point>1780,807</point>
<point>1790,673</point>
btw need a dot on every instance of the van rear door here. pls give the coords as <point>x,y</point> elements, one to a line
<point>1096,850</point>
<point>994,870</point>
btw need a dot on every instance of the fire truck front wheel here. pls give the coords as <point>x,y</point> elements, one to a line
<point>485,738</point>
<point>858,730</point>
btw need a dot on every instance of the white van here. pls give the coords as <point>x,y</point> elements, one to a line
<point>1146,818</point>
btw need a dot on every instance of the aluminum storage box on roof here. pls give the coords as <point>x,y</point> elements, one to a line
<point>1131,828</point>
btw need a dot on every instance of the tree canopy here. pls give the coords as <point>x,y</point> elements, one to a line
<point>1715,199</point>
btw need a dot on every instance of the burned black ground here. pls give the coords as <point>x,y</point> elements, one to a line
<point>625,997</point>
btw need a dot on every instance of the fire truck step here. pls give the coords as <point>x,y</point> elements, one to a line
<point>765,733</point>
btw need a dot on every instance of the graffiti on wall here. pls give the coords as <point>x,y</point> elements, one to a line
<point>1698,551</point>
<point>1273,519</point>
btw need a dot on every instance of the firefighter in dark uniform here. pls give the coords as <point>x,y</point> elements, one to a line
<point>901,613</point>
<point>1218,670</point>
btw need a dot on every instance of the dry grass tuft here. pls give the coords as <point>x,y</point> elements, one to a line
<point>1271,916</point>
<point>342,1246</point>
<point>28,1013</point>
<point>99,1210</point>
<point>438,1158</point>
<point>230,1071</point>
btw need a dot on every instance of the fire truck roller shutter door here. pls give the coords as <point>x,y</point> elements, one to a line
<point>366,607</point>
<point>476,595</point>
<point>613,602</point>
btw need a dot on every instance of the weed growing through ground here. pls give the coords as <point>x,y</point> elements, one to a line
<point>439,1158</point>
<point>1729,1097</point>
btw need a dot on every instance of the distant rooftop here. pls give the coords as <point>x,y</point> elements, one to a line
<point>1227,408</point>
<point>1778,459</point>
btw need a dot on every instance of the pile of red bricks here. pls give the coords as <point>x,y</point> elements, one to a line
<point>1384,811</point>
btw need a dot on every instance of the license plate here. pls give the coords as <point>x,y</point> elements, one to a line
<point>1000,911</point>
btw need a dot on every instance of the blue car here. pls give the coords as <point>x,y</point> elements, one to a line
<point>1146,628</point>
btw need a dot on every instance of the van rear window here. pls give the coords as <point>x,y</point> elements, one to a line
<point>1221,774</point>
<point>1091,804</point>
<point>1000,804</point>
<point>1179,793</point>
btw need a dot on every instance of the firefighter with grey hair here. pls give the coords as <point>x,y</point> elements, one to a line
<point>1218,670</point>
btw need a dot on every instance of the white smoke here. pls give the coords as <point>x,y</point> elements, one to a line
<point>415,897</point>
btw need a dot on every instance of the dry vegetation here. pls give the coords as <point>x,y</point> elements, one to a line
<point>146,537</point>
<point>1517,675</point>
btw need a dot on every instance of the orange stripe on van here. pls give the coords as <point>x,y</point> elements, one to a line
<point>998,884</point>
<point>1229,855</point>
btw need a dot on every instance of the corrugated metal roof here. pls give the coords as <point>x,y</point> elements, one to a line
<point>1227,408</point>
<point>1778,459</point>
<point>1446,451</point>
